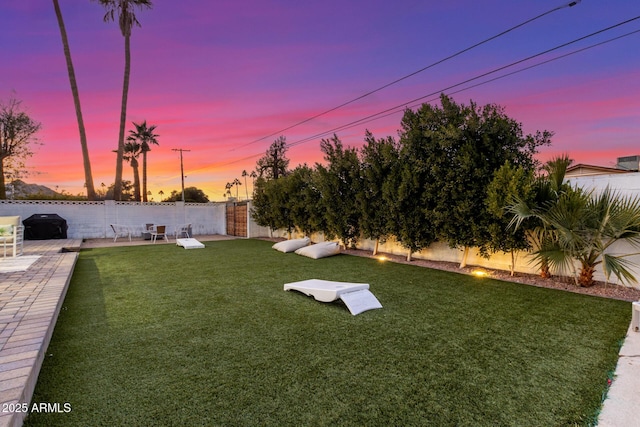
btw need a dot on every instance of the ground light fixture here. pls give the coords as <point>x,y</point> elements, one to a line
<point>478,272</point>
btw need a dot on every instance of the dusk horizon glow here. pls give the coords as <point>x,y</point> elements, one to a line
<point>218,77</point>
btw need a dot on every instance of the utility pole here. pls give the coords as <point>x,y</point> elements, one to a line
<point>181,168</point>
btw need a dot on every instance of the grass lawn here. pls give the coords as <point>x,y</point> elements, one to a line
<point>159,335</point>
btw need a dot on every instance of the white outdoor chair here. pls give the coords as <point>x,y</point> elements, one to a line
<point>159,231</point>
<point>11,235</point>
<point>183,230</point>
<point>121,231</point>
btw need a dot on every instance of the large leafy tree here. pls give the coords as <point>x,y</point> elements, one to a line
<point>404,190</point>
<point>274,163</point>
<point>461,148</point>
<point>378,158</point>
<point>509,184</point>
<point>144,135</point>
<point>191,195</point>
<point>339,183</point>
<point>88,176</point>
<point>304,200</point>
<point>17,134</point>
<point>271,204</point>
<point>124,12</point>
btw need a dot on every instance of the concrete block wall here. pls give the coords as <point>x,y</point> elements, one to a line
<point>93,219</point>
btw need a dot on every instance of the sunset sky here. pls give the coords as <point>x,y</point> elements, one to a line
<point>224,79</point>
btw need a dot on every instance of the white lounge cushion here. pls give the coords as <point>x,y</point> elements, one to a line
<point>6,230</point>
<point>292,245</point>
<point>320,250</point>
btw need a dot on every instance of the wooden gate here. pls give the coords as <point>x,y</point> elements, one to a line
<point>237,219</point>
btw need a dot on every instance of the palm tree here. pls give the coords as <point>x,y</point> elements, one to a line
<point>145,136</point>
<point>124,11</point>
<point>88,177</point>
<point>132,150</point>
<point>237,183</point>
<point>246,188</point>
<point>582,226</point>
<point>547,189</point>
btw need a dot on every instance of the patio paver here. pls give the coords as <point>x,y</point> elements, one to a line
<point>29,305</point>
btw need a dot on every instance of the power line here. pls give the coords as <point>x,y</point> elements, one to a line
<point>398,80</point>
<point>403,106</point>
<point>495,70</point>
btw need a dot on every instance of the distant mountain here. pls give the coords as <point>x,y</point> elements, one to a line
<point>21,189</point>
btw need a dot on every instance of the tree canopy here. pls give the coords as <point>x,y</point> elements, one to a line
<point>191,195</point>
<point>274,163</point>
<point>17,135</point>
<point>455,150</point>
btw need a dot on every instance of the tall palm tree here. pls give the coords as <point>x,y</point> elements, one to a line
<point>124,11</point>
<point>132,150</point>
<point>246,188</point>
<point>88,177</point>
<point>237,183</point>
<point>145,136</point>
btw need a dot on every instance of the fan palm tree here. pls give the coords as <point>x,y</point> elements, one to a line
<point>547,190</point>
<point>88,176</point>
<point>124,12</point>
<point>583,226</point>
<point>132,149</point>
<point>145,136</point>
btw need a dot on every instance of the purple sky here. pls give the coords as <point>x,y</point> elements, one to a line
<point>219,77</point>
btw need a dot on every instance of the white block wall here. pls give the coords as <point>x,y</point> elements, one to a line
<point>92,219</point>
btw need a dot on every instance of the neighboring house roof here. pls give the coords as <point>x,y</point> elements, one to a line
<point>582,169</point>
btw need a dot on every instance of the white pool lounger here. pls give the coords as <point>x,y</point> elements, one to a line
<point>356,296</point>
<point>190,243</point>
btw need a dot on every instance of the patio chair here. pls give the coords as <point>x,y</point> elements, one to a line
<point>121,231</point>
<point>11,235</point>
<point>159,231</point>
<point>183,230</point>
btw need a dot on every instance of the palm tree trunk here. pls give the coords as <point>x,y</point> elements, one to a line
<point>88,177</point>
<point>144,176</point>
<point>117,189</point>
<point>586,275</point>
<point>136,179</point>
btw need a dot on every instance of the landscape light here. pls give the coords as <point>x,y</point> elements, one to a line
<point>479,273</point>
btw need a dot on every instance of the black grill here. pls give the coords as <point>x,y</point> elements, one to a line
<point>45,227</point>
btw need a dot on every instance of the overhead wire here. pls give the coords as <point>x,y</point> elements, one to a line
<point>411,103</point>
<point>495,70</point>
<point>398,80</point>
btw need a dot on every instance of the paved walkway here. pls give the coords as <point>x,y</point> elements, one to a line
<point>30,301</point>
<point>29,305</point>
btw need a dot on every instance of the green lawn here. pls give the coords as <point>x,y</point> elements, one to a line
<point>159,335</point>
